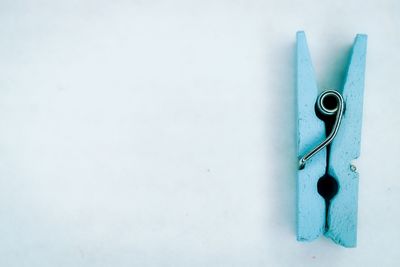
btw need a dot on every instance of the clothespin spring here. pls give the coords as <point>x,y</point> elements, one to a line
<point>329,102</point>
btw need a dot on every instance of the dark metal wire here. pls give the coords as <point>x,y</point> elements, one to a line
<point>327,111</point>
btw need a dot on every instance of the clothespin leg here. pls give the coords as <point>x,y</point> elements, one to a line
<point>310,132</point>
<point>342,218</point>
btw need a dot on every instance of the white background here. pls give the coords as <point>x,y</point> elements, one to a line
<point>161,133</point>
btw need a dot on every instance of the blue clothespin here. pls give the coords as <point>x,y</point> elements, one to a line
<point>328,140</point>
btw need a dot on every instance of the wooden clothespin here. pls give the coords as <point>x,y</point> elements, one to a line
<point>328,140</point>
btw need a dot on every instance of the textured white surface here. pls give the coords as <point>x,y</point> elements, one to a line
<point>161,133</point>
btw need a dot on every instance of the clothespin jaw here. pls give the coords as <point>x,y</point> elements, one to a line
<point>335,217</point>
